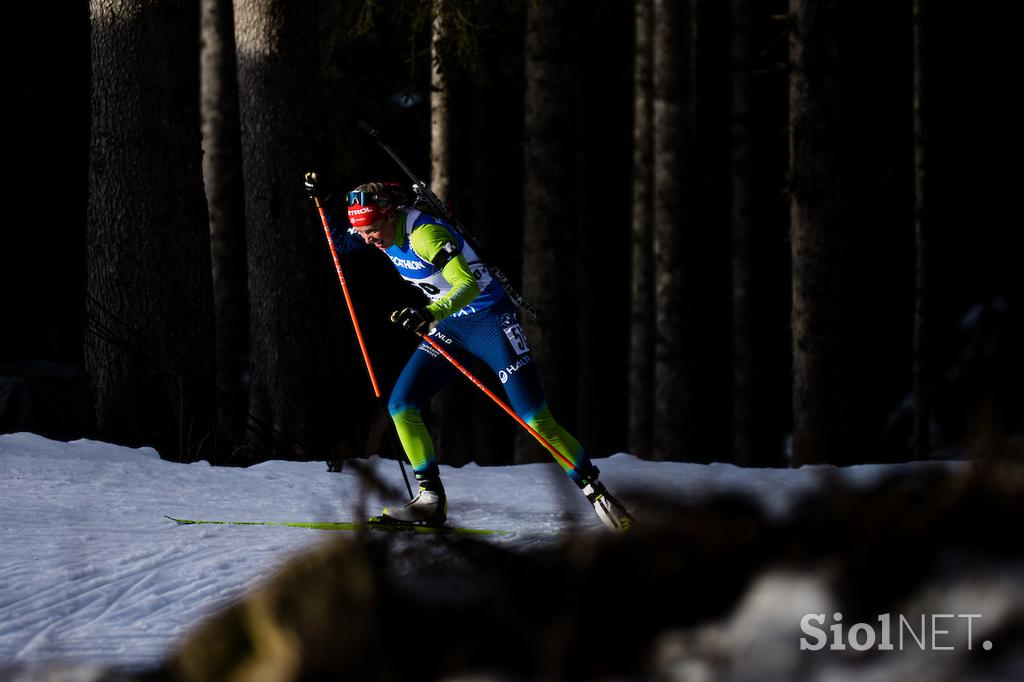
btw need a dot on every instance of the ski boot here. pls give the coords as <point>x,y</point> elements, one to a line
<point>428,508</point>
<point>611,512</point>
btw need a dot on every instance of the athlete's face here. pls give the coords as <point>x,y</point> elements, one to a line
<point>380,233</point>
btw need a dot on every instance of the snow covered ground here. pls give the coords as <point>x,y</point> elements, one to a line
<point>91,570</point>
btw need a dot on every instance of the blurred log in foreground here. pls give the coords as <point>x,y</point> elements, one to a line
<point>718,594</point>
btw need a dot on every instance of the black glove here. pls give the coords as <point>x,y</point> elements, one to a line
<point>312,185</point>
<point>416,320</point>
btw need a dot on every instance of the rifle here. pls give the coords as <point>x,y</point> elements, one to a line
<point>426,196</point>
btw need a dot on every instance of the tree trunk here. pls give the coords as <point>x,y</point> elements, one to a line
<point>923,383</point>
<point>452,432</point>
<point>440,149</point>
<point>549,220</point>
<point>222,174</point>
<point>295,361</point>
<point>603,88</point>
<point>150,346</point>
<point>675,420</point>
<point>744,397</point>
<point>820,431</point>
<point>494,438</point>
<point>641,355</point>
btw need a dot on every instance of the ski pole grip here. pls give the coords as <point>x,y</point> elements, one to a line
<point>365,127</point>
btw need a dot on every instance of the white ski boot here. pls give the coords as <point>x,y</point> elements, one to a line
<point>428,508</point>
<point>609,510</point>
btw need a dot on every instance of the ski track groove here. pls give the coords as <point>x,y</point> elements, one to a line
<point>118,596</point>
<point>39,636</point>
<point>121,592</point>
<point>91,579</point>
<point>101,588</point>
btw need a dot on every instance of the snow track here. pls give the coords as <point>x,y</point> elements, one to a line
<point>90,570</point>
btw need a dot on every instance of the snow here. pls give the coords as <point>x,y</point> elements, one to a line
<point>92,571</point>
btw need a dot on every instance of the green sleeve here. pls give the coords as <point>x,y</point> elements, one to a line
<point>427,241</point>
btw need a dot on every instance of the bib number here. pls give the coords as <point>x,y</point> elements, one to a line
<point>429,289</point>
<point>481,274</point>
<point>517,339</point>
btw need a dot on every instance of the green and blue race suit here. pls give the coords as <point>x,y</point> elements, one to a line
<point>474,316</point>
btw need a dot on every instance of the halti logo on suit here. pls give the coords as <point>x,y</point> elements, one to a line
<point>512,369</point>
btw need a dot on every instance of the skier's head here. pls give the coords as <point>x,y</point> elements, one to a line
<point>369,203</point>
<point>370,209</point>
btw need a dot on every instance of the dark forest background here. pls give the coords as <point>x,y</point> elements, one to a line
<point>744,241</point>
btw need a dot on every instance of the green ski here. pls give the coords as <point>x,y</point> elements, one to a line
<point>347,525</point>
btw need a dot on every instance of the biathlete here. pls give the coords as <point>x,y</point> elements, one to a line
<point>468,311</point>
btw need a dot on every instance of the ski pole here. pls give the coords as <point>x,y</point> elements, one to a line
<point>423,190</point>
<point>490,394</point>
<point>355,321</point>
